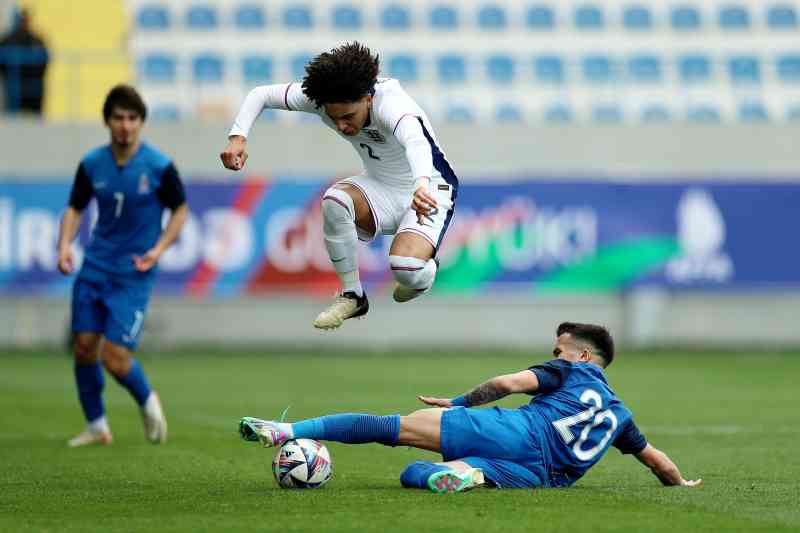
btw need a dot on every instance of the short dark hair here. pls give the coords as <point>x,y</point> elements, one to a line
<point>597,336</point>
<point>124,97</point>
<point>344,75</point>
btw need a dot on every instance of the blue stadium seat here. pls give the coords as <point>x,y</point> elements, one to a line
<point>789,68</point>
<point>200,17</point>
<point>297,65</point>
<point>403,67</point>
<point>347,17</point>
<point>492,17</point>
<point>460,114</point>
<point>153,17</point>
<point>694,68</point>
<point>507,114</point>
<point>164,113</point>
<point>549,69</point>
<point>782,17</point>
<point>207,68</point>
<point>637,17</point>
<point>558,113</point>
<point>444,18</point>
<point>734,17</point>
<point>158,68</point>
<point>589,17</point>
<point>599,69</point>
<point>540,18</point>
<point>655,114</point>
<point>644,68</point>
<point>607,114</point>
<point>298,17</point>
<point>685,18</point>
<point>452,68</point>
<point>703,113</point>
<point>396,17</point>
<point>753,111</point>
<point>250,17</point>
<point>500,68</point>
<point>257,69</point>
<point>744,69</point>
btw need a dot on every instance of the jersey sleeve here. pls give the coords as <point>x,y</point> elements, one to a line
<point>408,132</point>
<point>551,375</point>
<point>171,192</point>
<point>630,440</point>
<point>286,96</point>
<point>82,189</point>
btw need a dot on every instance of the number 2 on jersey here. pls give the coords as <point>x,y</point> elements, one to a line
<point>594,413</point>
<point>120,198</point>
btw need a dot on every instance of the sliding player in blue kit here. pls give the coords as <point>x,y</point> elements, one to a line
<point>572,420</point>
<point>133,183</point>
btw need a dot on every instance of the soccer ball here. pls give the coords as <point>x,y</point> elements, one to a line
<point>302,464</point>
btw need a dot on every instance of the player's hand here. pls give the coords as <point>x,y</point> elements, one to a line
<point>423,203</point>
<point>691,482</point>
<point>436,402</point>
<point>147,261</point>
<point>66,264</point>
<point>235,154</point>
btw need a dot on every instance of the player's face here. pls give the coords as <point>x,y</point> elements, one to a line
<point>349,117</point>
<point>125,126</point>
<point>570,350</point>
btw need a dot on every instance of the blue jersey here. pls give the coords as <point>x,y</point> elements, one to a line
<point>579,417</point>
<point>131,199</point>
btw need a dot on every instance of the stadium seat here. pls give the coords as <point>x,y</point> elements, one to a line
<point>644,68</point>
<point>744,69</point>
<point>540,18</point>
<point>508,114</point>
<point>703,114</point>
<point>444,18</point>
<point>158,68</point>
<point>298,17</point>
<point>153,17</point>
<point>753,111</point>
<point>589,17</point>
<point>164,113</point>
<point>549,69</point>
<point>558,113</point>
<point>782,17</point>
<point>207,68</point>
<point>500,68</point>
<point>789,68</point>
<point>298,64</point>
<point>637,17</point>
<point>250,17</point>
<point>607,114</point>
<point>460,114</point>
<point>257,69</point>
<point>685,18</point>
<point>201,17</point>
<point>655,114</point>
<point>734,17</point>
<point>492,17</point>
<point>598,69</point>
<point>403,67</point>
<point>452,68</point>
<point>347,17</point>
<point>694,68</point>
<point>396,17</point>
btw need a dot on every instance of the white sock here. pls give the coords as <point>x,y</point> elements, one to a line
<point>99,425</point>
<point>341,239</point>
<point>150,406</point>
<point>412,272</point>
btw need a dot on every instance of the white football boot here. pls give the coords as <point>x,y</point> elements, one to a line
<point>268,432</point>
<point>89,437</point>
<point>455,480</point>
<point>346,305</point>
<point>155,424</point>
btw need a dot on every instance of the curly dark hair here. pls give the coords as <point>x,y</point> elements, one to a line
<point>597,336</point>
<point>344,75</point>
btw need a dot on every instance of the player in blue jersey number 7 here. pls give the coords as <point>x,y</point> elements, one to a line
<point>133,183</point>
<point>572,420</point>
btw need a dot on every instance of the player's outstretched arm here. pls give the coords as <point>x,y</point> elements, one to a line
<point>663,468</point>
<point>69,228</point>
<point>490,391</point>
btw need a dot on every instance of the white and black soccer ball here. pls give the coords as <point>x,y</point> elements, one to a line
<point>302,464</point>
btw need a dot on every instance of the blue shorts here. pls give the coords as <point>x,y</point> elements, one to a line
<point>113,309</point>
<point>501,442</point>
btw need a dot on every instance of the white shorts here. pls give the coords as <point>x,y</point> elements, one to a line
<point>391,208</point>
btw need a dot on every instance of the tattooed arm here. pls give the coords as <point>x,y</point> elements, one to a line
<point>494,389</point>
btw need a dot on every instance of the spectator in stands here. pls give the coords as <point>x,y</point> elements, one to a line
<point>23,62</point>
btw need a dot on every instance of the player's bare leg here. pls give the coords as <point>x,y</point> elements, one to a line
<point>89,377</point>
<point>344,208</point>
<point>413,266</point>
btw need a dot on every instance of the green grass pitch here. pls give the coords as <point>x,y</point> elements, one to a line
<point>728,418</point>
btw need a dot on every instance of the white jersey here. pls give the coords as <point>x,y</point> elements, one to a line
<point>397,144</point>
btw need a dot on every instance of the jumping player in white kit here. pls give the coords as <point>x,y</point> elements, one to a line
<point>407,188</point>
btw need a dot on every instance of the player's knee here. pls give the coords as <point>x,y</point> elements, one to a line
<point>115,360</point>
<point>85,351</point>
<point>413,474</point>
<point>337,206</point>
<point>409,271</point>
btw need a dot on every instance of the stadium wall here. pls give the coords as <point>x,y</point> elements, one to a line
<point>646,314</point>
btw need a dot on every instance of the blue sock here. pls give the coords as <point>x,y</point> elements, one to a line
<point>350,428</point>
<point>416,474</point>
<point>90,380</point>
<point>136,382</point>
